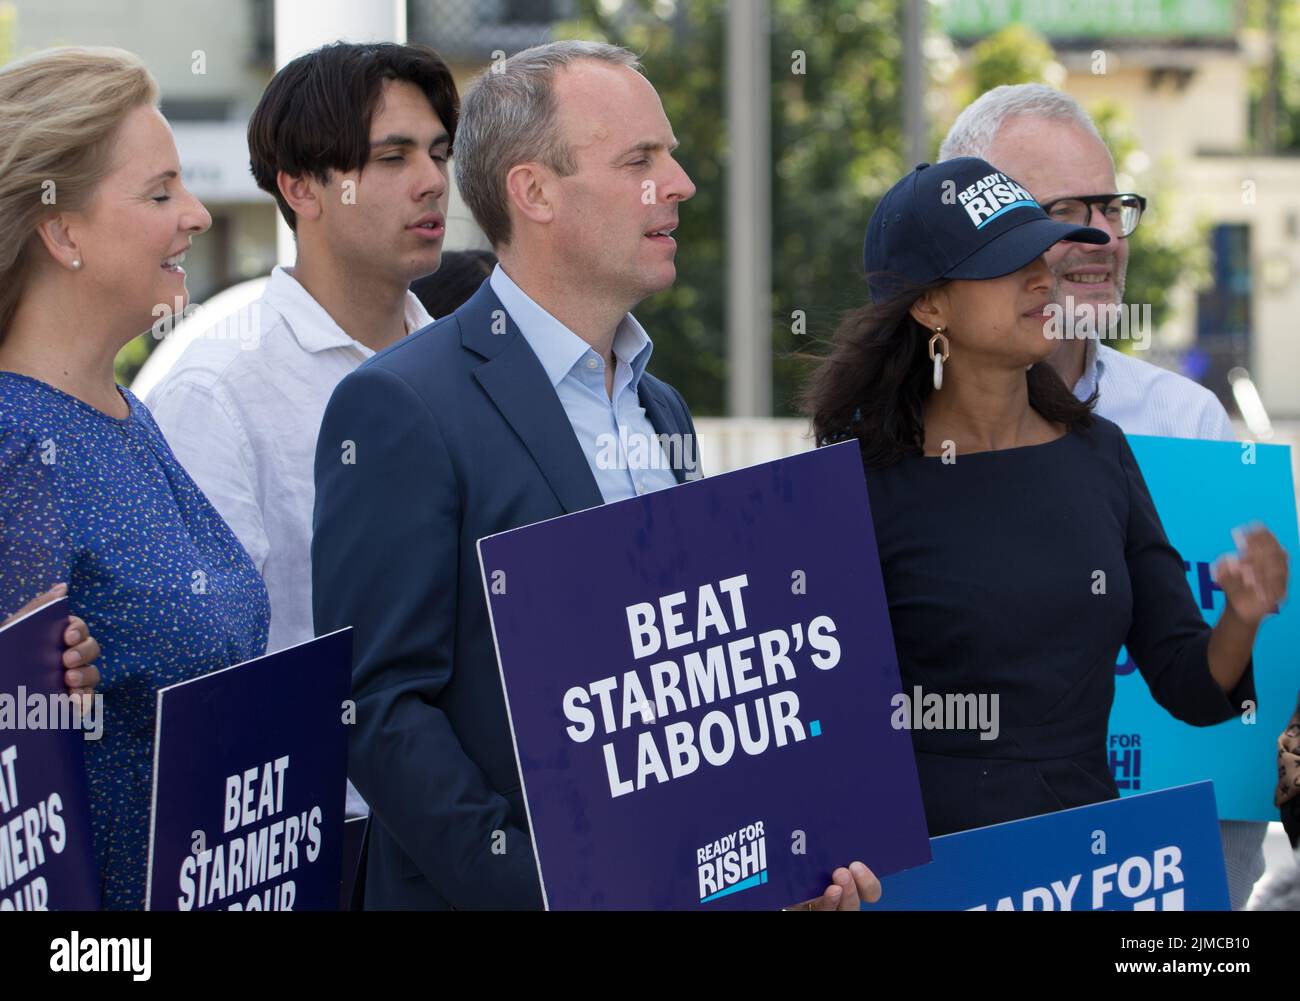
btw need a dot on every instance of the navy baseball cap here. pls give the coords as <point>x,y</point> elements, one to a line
<point>962,218</point>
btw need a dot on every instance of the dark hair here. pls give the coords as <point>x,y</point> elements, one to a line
<point>315,114</point>
<point>457,278</point>
<point>873,383</point>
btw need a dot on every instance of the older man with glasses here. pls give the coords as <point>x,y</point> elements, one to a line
<point>1043,139</point>
<point>1047,142</point>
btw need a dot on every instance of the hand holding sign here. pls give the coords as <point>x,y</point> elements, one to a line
<point>1254,580</point>
<point>850,886</point>
<point>81,675</point>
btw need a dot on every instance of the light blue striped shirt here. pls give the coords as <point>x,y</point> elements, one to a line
<point>1145,399</point>
<point>621,445</point>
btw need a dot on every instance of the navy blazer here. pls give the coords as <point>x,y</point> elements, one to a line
<point>450,435</point>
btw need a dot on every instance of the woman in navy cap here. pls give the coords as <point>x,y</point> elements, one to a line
<point>1019,545</point>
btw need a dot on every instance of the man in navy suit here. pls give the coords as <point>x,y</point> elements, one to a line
<point>529,402</point>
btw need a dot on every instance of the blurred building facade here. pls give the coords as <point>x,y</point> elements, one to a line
<point>212,62</point>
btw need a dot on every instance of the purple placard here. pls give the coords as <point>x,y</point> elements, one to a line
<point>676,795</point>
<point>47,859</point>
<point>249,776</point>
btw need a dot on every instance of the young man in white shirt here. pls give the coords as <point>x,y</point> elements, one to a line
<point>353,143</point>
<point>1046,141</point>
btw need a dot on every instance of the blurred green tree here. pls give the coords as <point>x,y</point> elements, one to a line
<point>1015,54</point>
<point>837,139</point>
<point>129,361</point>
<point>1275,85</point>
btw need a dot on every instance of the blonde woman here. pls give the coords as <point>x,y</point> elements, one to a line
<point>94,223</point>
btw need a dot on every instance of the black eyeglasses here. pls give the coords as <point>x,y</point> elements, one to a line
<point>1123,211</point>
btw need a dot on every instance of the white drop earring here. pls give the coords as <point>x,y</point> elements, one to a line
<point>76,265</point>
<point>939,356</point>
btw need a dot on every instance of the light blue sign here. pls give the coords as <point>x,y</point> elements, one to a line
<point>1153,852</point>
<point>1202,491</point>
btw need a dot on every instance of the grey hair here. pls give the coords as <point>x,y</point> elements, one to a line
<point>508,117</point>
<point>973,132</point>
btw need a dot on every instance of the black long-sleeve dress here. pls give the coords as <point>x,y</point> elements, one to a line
<point>991,569</point>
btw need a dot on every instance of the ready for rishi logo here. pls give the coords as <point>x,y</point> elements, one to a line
<point>735,862</point>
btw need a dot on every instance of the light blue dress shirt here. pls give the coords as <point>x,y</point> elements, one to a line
<point>1145,399</point>
<point>621,445</point>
